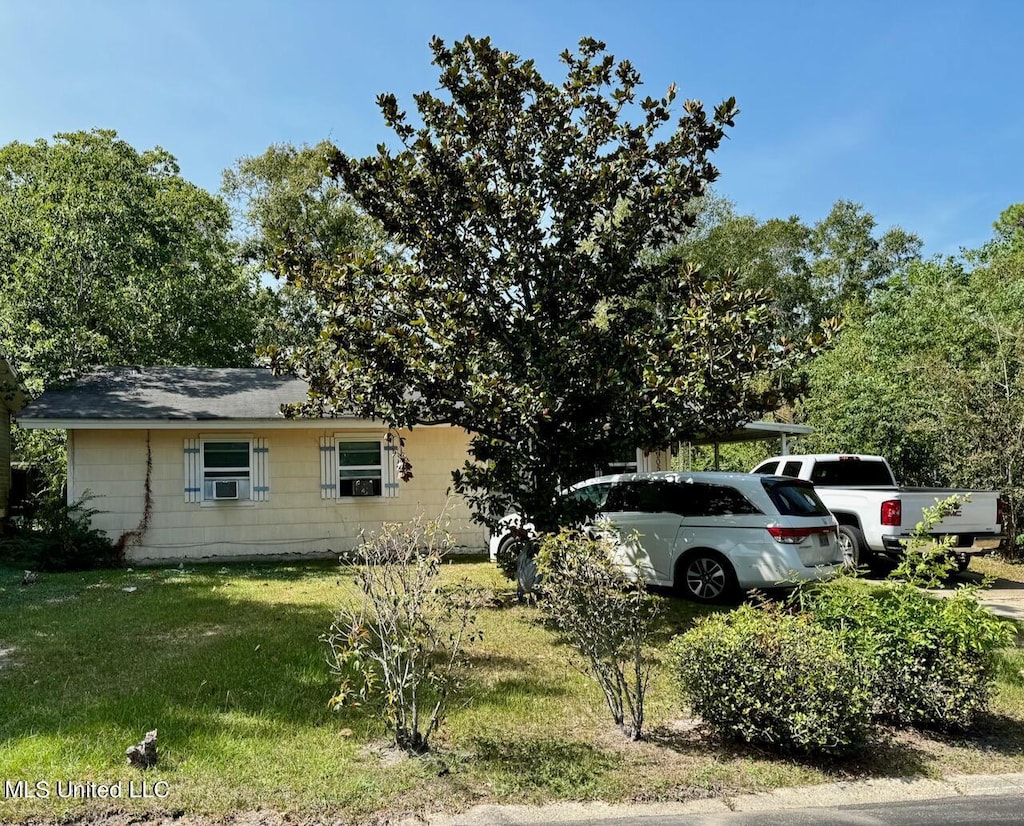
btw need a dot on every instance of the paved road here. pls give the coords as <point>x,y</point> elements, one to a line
<point>1005,598</point>
<point>965,811</point>
<point>960,799</point>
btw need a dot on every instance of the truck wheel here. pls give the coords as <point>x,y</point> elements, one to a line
<point>705,576</point>
<point>962,561</point>
<point>851,543</point>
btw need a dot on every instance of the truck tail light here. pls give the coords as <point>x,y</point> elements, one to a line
<point>794,536</point>
<point>892,513</point>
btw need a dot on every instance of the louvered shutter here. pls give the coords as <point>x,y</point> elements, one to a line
<point>389,475</point>
<point>328,468</point>
<point>193,471</point>
<point>260,470</point>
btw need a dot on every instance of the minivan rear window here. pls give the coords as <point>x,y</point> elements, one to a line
<point>794,497</point>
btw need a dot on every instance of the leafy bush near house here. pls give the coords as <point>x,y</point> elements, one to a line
<point>773,678</point>
<point>59,537</point>
<point>604,616</point>
<point>931,662</point>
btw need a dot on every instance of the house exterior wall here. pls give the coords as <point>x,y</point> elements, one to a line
<point>5,459</point>
<point>111,466</point>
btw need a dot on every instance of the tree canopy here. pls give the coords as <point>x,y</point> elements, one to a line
<point>108,256</point>
<point>285,201</point>
<point>814,271</point>
<point>518,296</point>
<point>930,372</point>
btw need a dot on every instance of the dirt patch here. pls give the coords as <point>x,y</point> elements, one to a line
<point>6,656</point>
<point>192,634</point>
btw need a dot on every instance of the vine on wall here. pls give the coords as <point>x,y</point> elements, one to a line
<point>129,539</point>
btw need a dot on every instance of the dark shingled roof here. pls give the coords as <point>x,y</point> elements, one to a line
<point>170,393</point>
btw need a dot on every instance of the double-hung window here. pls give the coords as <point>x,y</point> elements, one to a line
<point>356,466</point>
<point>360,468</point>
<point>226,469</point>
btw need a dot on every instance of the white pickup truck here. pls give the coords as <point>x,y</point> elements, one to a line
<point>876,515</point>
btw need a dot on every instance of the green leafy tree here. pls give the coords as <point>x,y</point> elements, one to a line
<point>287,205</point>
<point>518,299</point>
<point>770,255</point>
<point>930,372</point>
<point>814,272</point>
<point>848,261</point>
<point>108,256</point>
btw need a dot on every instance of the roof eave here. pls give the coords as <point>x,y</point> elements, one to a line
<point>44,423</point>
<point>40,423</point>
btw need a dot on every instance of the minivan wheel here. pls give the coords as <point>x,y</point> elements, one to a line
<point>851,543</point>
<point>705,576</point>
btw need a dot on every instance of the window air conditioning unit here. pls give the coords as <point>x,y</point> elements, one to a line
<point>362,487</point>
<point>225,489</point>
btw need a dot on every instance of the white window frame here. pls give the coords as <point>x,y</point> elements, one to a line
<point>253,478</point>
<point>243,475</point>
<point>379,468</point>
<point>331,468</point>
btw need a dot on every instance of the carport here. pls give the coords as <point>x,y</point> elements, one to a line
<point>754,432</point>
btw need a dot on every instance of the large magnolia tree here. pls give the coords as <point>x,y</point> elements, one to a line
<point>519,296</point>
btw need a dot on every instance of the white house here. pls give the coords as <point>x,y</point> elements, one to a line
<point>200,463</point>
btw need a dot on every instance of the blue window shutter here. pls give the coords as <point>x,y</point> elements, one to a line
<point>389,480</point>
<point>260,470</point>
<point>193,471</point>
<point>328,468</point>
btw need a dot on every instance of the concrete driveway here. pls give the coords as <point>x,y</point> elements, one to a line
<point>1004,597</point>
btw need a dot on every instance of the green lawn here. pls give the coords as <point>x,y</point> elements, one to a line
<point>226,663</point>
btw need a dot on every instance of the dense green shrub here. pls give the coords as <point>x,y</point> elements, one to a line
<point>59,537</point>
<point>605,616</point>
<point>931,662</point>
<point>774,678</point>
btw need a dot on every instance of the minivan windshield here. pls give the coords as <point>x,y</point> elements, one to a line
<point>794,497</point>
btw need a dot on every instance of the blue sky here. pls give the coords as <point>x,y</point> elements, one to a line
<point>913,109</point>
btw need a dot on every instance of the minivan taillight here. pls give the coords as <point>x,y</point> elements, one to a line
<point>892,513</point>
<point>794,536</point>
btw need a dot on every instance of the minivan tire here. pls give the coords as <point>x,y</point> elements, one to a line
<point>851,543</point>
<point>705,576</point>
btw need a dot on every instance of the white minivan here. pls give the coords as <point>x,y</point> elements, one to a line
<point>707,535</point>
